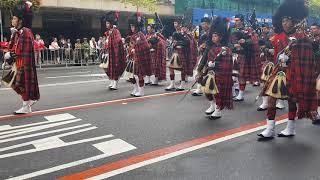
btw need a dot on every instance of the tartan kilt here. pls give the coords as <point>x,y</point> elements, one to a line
<point>249,68</point>
<point>115,68</point>
<point>183,59</point>
<point>158,65</point>
<point>142,62</point>
<point>19,83</point>
<point>224,97</point>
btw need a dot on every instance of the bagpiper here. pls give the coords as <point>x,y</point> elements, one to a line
<point>185,55</point>
<point>276,43</point>
<point>114,53</point>
<point>157,44</point>
<point>245,45</point>
<point>217,83</point>
<point>203,44</point>
<point>294,75</point>
<point>315,34</point>
<point>23,76</point>
<point>139,59</point>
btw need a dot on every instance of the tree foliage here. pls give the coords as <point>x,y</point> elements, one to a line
<point>9,4</point>
<point>150,5</point>
<point>315,8</point>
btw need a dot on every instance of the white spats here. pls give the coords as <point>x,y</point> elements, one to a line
<point>264,104</point>
<point>240,96</point>
<point>155,81</point>
<point>211,109</point>
<point>198,91</point>
<point>135,89</point>
<point>182,86</point>
<point>111,83</point>
<point>217,114</point>
<point>280,104</point>
<point>25,109</point>
<point>171,86</point>
<point>290,130</point>
<point>269,132</point>
<point>114,85</point>
<point>140,92</point>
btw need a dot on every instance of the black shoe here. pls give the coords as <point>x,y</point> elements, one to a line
<point>316,122</point>
<point>147,84</point>
<point>172,89</point>
<point>261,109</point>
<point>112,89</point>
<point>238,100</point>
<point>262,138</point>
<point>214,117</point>
<point>178,89</point>
<point>154,84</point>
<point>287,136</point>
<point>196,94</point>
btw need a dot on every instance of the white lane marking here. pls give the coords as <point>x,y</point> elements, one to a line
<point>177,153</point>
<point>63,84</point>
<point>45,133</point>
<point>56,136</point>
<point>99,103</point>
<point>51,119</point>
<point>81,75</point>
<point>116,146</point>
<point>52,143</point>
<point>5,127</point>
<point>59,117</point>
<point>80,72</point>
<point>16,132</point>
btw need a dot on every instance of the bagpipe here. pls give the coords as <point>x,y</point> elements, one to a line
<point>104,58</point>
<point>130,68</point>
<point>8,78</point>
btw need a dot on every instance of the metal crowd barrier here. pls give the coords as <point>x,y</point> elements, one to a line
<point>67,57</point>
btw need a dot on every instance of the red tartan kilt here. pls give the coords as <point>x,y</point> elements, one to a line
<point>115,69</point>
<point>224,97</point>
<point>19,83</point>
<point>249,69</point>
<point>187,67</point>
<point>142,68</point>
<point>154,63</point>
<point>158,66</point>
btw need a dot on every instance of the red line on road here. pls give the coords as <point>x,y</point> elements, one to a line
<point>88,106</point>
<point>160,152</point>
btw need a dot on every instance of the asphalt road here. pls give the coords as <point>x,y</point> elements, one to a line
<point>80,129</point>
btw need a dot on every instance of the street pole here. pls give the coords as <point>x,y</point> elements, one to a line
<point>1,28</point>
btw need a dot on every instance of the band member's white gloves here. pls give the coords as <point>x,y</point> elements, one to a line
<point>7,56</point>
<point>211,64</point>
<point>3,65</point>
<point>224,53</point>
<point>261,55</point>
<point>271,51</point>
<point>283,58</point>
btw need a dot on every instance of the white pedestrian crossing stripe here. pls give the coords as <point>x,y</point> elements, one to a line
<point>44,136</point>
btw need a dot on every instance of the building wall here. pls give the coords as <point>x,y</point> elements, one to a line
<point>261,6</point>
<point>105,5</point>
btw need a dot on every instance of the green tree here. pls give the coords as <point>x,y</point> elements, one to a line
<point>9,4</point>
<point>315,8</point>
<point>147,4</point>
